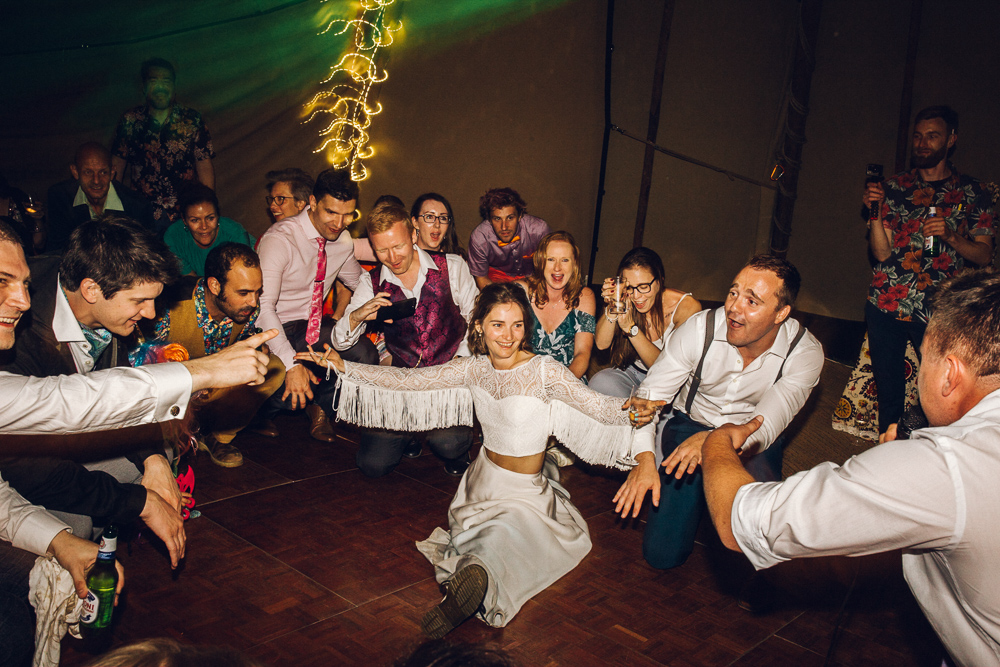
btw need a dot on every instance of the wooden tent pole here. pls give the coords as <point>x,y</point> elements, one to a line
<point>609,48</point>
<point>789,150</point>
<point>659,70</point>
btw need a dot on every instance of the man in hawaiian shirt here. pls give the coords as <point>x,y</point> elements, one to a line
<point>163,144</point>
<point>221,310</point>
<point>896,310</point>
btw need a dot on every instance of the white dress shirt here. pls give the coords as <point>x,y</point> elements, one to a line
<point>24,525</point>
<point>66,329</point>
<point>730,393</point>
<point>463,293</point>
<point>102,400</point>
<point>112,203</point>
<point>935,496</point>
<point>288,262</point>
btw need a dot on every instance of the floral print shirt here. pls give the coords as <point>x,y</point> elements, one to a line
<point>216,333</point>
<point>900,283</point>
<point>162,161</point>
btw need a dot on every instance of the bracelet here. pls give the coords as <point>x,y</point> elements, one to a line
<point>610,319</point>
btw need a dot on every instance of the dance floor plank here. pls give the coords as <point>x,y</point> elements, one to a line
<point>300,560</point>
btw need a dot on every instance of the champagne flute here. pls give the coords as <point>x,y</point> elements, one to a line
<point>637,392</point>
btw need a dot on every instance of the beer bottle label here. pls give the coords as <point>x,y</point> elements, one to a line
<point>88,614</point>
<point>929,240</point>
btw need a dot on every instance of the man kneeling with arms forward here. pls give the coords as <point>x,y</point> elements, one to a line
<point>935,496</point>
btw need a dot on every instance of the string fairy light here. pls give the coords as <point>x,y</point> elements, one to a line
<point>344,98</point>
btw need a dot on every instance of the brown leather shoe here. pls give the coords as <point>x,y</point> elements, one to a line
<point>466,592</point>
<point>223,454</point>
<point>264,427</point>
<point>319,425</point>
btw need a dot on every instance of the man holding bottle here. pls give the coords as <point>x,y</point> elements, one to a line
<point>932,200</point>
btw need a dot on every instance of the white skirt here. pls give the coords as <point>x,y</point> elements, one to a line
<point>521,528</point>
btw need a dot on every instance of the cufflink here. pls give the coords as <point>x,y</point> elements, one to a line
<point>174,411</point>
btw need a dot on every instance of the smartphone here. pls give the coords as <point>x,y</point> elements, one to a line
<point>399,310</point>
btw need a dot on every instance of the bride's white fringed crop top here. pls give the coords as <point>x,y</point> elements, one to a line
<point>518,408</point>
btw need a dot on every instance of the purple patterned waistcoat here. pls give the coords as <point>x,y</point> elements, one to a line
<point>432,336</point>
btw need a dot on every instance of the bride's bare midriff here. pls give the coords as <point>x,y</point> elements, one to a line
<point>529,465</point>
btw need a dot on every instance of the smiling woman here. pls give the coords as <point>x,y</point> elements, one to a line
<point>513,530</point>
<point>200,229</point>
<point>651,312</point>
<point>563,308</point>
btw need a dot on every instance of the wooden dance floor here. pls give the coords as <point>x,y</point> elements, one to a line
<point>300,560</point>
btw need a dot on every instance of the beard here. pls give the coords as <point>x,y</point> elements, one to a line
<point>239,316</point>
<point>931,160</point>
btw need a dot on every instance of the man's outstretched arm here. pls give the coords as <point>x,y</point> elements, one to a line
<point>724,474</point>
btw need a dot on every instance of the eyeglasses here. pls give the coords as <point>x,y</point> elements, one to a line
<point>281,199</point>
<point>430,219</point>
<point>641,288</point>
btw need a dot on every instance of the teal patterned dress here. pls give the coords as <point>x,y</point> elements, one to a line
<point>560,344</point>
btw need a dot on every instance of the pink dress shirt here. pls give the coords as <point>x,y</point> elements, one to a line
<point>288,261</point>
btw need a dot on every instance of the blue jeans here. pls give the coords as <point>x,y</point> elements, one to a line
<point>670,528</point>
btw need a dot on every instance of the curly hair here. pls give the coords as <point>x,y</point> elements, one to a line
<point>501,198</point>
<point>493,295</point>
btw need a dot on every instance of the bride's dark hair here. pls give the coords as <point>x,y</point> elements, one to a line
<point>493,295</point>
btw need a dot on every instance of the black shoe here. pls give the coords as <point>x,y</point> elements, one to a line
<point>412,449</point>
<point>465,593</point>
<point>457,467</point>
<point>757,596</point>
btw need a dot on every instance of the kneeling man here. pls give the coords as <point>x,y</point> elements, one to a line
<point>934,496</point>
<point>221,310</point>
<point>745,359</point>
<point>446,293</point>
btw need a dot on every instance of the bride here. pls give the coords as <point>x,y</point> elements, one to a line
<point>512,528</point>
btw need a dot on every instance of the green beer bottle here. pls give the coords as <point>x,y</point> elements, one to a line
<point>95,618</point>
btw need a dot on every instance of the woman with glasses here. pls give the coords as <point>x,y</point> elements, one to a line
<point>636,336</point>
<point>288,192</point>
<point>435,225</point>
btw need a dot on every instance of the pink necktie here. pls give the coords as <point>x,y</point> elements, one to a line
<point>316,305</point>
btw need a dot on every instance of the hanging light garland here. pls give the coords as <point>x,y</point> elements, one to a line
<point>344,99</point>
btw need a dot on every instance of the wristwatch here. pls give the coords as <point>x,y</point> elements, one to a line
<point>633,331</point>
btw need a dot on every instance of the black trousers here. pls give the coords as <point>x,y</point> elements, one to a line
<point>887,338</point>
<point>325,392</point>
